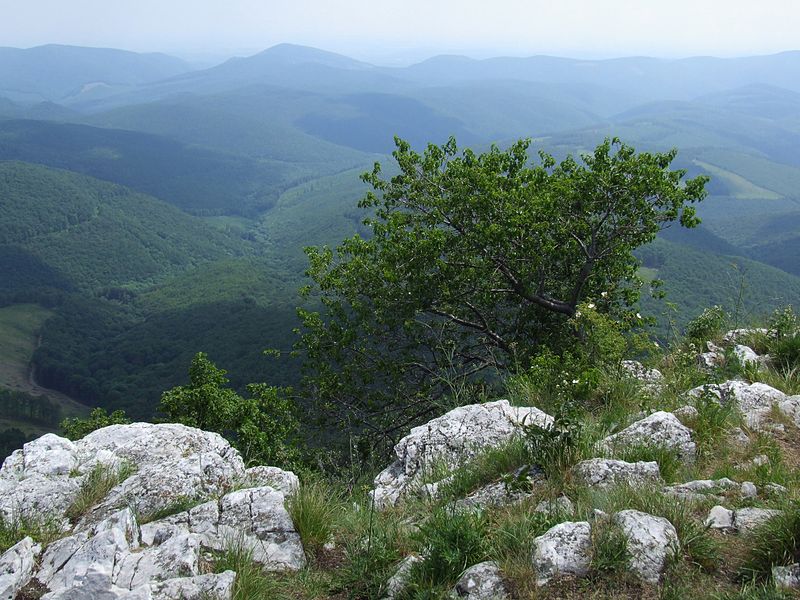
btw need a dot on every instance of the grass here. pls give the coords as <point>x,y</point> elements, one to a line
<point>315,509</point>
<point>178,506</point>
<point>96,485</point>
<point>776,542</point>
<point>610,553</point>
<point>43,530</point>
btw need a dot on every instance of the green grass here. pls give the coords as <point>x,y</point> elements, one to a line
<point>776,542</point>
<point>314,509</point>
<point>96,485</point>
<point>43,530</point>
<point>178,506</point>
<point>739,187</point>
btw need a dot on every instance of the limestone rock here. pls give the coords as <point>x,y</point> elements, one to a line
<point>786,578</point>
<point>179,556</point>
<point>450,440</point>
<point>482,582</point>
<point>605,472</point>
<point>747,519</point>
<point>560,506</point>
<point>564,550</point>
<point>202,587</point>
<point>720,518</point>
<point>701,488</point>
<point>652,379</point>
<point>16,566</point>
<point>754,400</point>
<point>775,489</point>
<point>651,540</point>
<point>278,479</point>
<point>735,335</point>
<point>708,361</point>
<point>686,414</point>
<point>791,408</point>
<point>493,495</point>
<point>746,355</point>
<point>659,429</point>
<point>397,582</point>
<point>749,489</point>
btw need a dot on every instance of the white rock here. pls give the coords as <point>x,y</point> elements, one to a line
<point>747,519</point>
<point>605,472</point>
<point>660,429</point>
<point>283,481</point>
<point>746,355</point>
<point>16,566</point>
<point>397,582</point>
<point>560,506</point>
<point>734,335</point>
<point>179,556</point>
<point>749,489</point>
<point>482,582</point>
<point>202,587</point>
<point>686,413</point>
<point>754,400</point>
<point>775,489</point>
<point>786,578</point>
<point>449,441</point>
<point>651,540</point>
<point>791,408</point>
<point>720,518</point>
<point>96,585</point>
<point>491,496</point>
<point>738,437</point>
<point>564,550</point>
<point>652,379</point>
<point>760,460</point>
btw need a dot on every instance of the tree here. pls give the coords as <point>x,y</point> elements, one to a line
<point>474,263</point>
<point>75,428</point>
<point>263,427</point>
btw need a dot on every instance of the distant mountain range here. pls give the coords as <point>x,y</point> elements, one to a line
<point>159,210</point>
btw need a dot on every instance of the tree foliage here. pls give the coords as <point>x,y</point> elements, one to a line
<point>75,428</point>
<point>475,262</point>
<point>263,427</point>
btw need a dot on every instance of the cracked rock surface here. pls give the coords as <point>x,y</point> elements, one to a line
<point>450,440</point>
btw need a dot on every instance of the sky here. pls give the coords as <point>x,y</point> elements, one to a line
<point>403,30</point>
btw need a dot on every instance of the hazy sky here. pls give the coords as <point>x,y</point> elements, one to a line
<point>381,29</point>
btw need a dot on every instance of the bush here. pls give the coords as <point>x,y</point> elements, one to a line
<point>708,325</point>
<point>76,428</point>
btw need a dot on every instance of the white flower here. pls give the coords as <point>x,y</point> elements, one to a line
<point>577,313</point>
<point>604,294</point>
<point>576,381</point>
<point>638,316</point>
<point>590,305</point>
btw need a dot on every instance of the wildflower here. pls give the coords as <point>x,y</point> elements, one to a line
<point>604,294</point>
<point>590,305</point>
<point>576,381</point>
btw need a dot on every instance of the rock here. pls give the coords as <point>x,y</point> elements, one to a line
<point>179,556</point>
<point>397,582</point>
<point>786,578</point>
<point>564,550</point>
<point>482,582</point>
<point>760,460</point>
<point>775,489</point>
<point>749,489</point>
<point>283,481</point>
<point>605,472</point>
<point>720,518</point>
<point>699,488</point>
<point>492,496</point>
<point>559,506</point>
<point>651,540</point>
<point>660,429</point>
<point>747,519</point>
<point>746,355</point>
<point>255,518</point>
<point>96,585</point>
<point>449,441</point>
<point>172,463</point>
<point>708,361</point>
<point>754,400</point>
<point>202,587</point>
<point>651,379</point>
<point>791,408</point>
<point>734,335</point>
<point>686,414</point>
<point>17,565</point>
<point>738,437</point>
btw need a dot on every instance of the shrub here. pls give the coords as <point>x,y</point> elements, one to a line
<point>76,428</point>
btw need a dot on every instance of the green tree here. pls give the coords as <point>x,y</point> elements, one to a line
<point>263,426</point>
<point>474,263</point>
<point>75,428</point>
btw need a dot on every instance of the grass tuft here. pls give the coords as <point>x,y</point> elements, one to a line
<point>98,482</point>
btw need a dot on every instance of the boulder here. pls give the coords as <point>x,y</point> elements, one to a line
<point>686,414</point>
<point>651,540</point>
<point>708,361</point>
<point>720,518</point>
<point>605,472</point>
<point>748,489</point>
<point>747,519</point>
<point>16,566</point>
<point>450,440</point>
<point>790,407</point>
<point>564,550</point>
<point>278,479</point>
<point>482,582</point>
<point>660,429</point>
<point>747,355</point>
<point>735,335</point>
<point>701,488</point>
<point>493,495</point>
<point>754,400</point>
<point>557,506</point>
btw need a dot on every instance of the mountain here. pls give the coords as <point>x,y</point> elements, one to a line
<point>71,73</point>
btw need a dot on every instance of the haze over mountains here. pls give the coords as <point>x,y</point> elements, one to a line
<point>156,211</point>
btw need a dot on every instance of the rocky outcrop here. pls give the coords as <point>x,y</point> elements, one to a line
<point>564,550</point>
<point>754,400</point>
<point>450,440</point>
<point>741,520</point>
<point>660,429</point>
<point>606,472</point>
<point>651,379</point>
<point>786,578</point>
<point>651,541</point>
<point>106,553</point>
